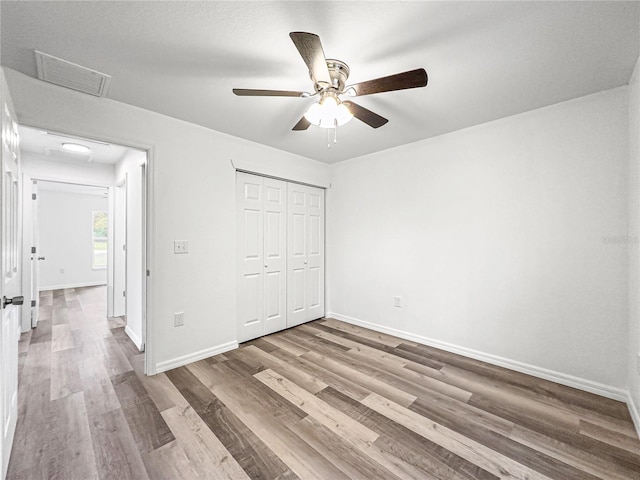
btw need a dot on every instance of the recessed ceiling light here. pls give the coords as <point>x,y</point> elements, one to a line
<point>76,147</point>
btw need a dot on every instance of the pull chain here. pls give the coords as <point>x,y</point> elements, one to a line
<point>335,133</point>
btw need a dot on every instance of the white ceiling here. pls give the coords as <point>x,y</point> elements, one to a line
<point>49,144</point>
<point>485,60</point>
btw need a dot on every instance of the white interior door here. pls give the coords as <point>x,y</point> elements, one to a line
<point>250,237</point>
<point>36,257</point>
<point>262,255</point>
<point>305,273</point>
<point>275,255</point>
<point>120,251</point>
<point>10,274</point>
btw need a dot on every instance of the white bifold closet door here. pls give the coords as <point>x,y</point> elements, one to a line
<point>280,234</point>
<point>305,258</point>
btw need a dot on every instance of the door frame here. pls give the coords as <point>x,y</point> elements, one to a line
<point>27,180</point>
<point>149,260</point>
<point>119,223</point>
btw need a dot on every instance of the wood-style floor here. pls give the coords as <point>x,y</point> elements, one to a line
<point>324,400</point>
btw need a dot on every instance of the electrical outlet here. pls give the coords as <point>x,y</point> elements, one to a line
<point>178,319</point>
<point>397,302</point>
<point>180,246</point>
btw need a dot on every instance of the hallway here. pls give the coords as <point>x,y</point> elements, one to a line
<point>80,397</point>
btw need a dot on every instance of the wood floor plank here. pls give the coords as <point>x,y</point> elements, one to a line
<point>501,443</point>
<point>342,425</point>
<point>363,332</point>
<point>117,455</point>
<point>303,460</point>
<point>204,451</point>
<point>588,461</point>
<point>65,373</point>
<point>349,460</point>
<point>284,344</point>
<point>405,443</point>
<point>345,385</point>
<point>255,392</point>
<point>611,437</point>
<point>300,377</point>
<point>61,338</point>
<point>147,426</point>
<point>558,431</point>
<point>100,396</point>
<point>475,452</point>
<point>249,451</point>
<point>367,381</point>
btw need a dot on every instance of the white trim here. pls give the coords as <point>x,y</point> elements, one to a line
<point>134,338</point>
<point>71,285</point>
<point>194,357</point>
<point>635,413</point>
<point>551,375</point>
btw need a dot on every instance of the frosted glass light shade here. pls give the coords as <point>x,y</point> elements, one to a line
<point>327,113</point>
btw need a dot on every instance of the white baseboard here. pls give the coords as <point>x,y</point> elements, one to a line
<point>134,337</point>
<point>558,377</point>
<point>195,356</point>
<point>70,285</point>
<point>635,413</point>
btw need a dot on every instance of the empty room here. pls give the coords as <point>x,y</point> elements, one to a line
<point>320,240</point>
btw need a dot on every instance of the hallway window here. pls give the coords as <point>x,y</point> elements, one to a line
<point>99,238</point>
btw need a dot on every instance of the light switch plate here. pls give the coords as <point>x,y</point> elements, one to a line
<point>178,319</point>
<point>180,246</point>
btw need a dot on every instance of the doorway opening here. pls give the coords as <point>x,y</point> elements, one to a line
<point>84,228</point>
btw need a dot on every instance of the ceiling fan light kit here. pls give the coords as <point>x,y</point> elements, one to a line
<point>329,78</point>
<point>329,112</point>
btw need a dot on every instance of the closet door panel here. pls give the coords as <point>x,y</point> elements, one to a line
<point>315,257</point>
<point>250,276</point>
<point>306,254</point>
<point>275,255</point>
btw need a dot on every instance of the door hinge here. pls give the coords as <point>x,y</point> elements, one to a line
<point>148,273</point>
<point>33,196</point>
<point>33,303</point>
<point>124,293</point>
<point>33,249</point>
<point>124,247</point>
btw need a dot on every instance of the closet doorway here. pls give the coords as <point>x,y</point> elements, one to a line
<point>280,272</point>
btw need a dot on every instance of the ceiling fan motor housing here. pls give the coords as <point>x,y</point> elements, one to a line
<point>339,73</point>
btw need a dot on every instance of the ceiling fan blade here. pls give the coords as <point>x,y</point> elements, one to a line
<point>400,81</point>
<point>367,116</point>
<point>248,92</point>
<point>303,124</point>
<point>310,48</point>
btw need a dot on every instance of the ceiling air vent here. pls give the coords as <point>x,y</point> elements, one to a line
<point>66,74</point>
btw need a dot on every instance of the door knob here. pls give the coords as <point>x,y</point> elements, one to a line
<point>15,301</point>
<point>305,262</point>
<point>40,258</point>
<point>266,266</point>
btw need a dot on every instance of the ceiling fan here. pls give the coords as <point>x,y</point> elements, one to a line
<point>329,81</point>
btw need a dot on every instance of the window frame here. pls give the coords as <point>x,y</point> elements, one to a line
<point>95,238</point>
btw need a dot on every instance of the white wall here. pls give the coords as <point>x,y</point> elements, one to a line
<point>129,169</point>
<point>59,169</point>
<point>65,239</point>
<point>634,243</point>
<point>501,238</point>
<point>193,198</point>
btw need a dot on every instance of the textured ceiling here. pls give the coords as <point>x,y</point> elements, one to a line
<point>485,60</point>
<point>49,144</point>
